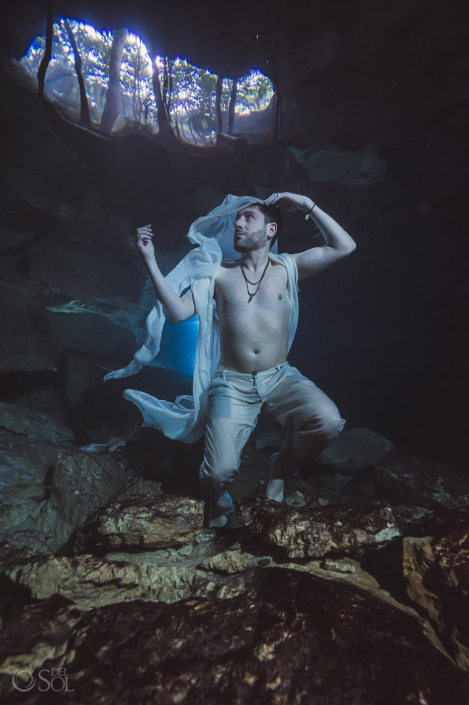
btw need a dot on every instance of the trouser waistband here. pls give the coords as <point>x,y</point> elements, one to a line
<point>250,375</point>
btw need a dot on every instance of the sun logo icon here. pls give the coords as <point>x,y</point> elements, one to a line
<point>23,679</point>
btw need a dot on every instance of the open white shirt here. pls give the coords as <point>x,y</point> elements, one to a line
<point>185,418</point>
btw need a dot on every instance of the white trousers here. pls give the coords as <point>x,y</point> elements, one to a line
<point>310,418</point>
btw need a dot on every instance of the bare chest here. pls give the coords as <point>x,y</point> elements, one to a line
<point>237,298</point>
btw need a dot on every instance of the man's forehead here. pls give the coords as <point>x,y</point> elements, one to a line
<point>249,209</point>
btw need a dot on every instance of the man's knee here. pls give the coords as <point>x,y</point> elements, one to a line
<point>328,426</point>
<point>332,426</point>
<point>217,472</point>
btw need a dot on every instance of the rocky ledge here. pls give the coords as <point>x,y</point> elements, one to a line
<point>356,584</point>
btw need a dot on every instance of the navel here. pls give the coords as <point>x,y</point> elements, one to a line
<point>280,296</point>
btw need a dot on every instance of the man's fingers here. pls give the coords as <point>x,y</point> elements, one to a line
<point>274,198</point>
<point>144,229</point>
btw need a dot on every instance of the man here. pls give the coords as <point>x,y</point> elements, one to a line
<point>253,300</point>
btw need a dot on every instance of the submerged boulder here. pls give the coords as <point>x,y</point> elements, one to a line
<point>404,478</point>
<point>315,531</point>
<point>25,343</point>
<point>48,491</point>
<point>144,522</point>
<point>355,449</point>
<point>288,637</point>
<point>33,424</point>
<point>436,567</point>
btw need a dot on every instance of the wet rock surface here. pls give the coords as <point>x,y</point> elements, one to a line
<point>47,491</point>
<point>312,598</point>
<point>33,424</point>
<point>404,478</point>
<point>288,636</point>
<point>313,532</point>
<point>356,449</point>
<point>436,567</point>
<point>143,522</point>
<point>25,343</point>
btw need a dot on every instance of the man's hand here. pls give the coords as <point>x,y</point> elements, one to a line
<point>289,201</point>
<point>144,243</point>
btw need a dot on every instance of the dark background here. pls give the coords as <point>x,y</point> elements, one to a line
<point>382,332</point>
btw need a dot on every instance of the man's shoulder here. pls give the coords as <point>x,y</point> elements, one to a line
<point>225,268</point>
<point>284,258</point>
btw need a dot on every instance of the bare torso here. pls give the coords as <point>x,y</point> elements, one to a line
<point>253,336</point>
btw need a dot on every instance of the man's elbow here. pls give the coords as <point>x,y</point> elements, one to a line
<point>173,317</point>
<point>350,247</point>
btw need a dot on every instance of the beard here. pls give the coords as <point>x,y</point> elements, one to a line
<point>252,241</point>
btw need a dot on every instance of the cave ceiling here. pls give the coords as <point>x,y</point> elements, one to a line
<point>347,72</point>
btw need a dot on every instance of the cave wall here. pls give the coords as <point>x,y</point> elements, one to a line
<point>374,129</point>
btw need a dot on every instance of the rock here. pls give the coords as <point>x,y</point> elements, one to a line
<point>436,567</point>
<point>296,499</point>
<point>24,469</point>
<point>344,569</point>
<point>21,547</point>
<point>406,517</point>
<point>79,374</point>
<point>228,562</point>
<point>81,274</point>
<point>384,563</point>
<point>270,166</point>
<point>355,449</point>
<point>146,522</point>
<point>90,334</point>
<point>80,483</point>
<point>165,575</point>
<point>40,391</point>
<point>46,492</point>
<point>140,486</point>
<point>93,582</point>
<point>25,343</point>
<point>288,637</point>
<point>204,545</point>
<point>347,168</point>
<point>403,478</point>
<point>33,424</point>
<point>17,217</point>
<point>48,625</point>
<point>316,531</point>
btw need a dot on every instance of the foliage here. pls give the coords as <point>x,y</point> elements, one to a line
<point>189,91</point>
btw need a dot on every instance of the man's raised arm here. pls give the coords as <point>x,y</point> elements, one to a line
<point>177,308</point>
<point>339,243</point>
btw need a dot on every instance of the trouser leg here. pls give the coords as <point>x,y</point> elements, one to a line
<point>232,415</point>
<point>310,417</point>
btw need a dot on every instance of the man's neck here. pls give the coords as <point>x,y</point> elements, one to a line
<point>255,261</point>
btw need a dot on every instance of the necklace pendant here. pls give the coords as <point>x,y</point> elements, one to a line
<point>250,298</point>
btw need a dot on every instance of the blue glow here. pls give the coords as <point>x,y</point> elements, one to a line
<point>178,346</point>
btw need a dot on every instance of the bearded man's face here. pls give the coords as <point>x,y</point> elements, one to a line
<point>250,230</point>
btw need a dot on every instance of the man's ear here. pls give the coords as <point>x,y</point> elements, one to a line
<point>271,230</point>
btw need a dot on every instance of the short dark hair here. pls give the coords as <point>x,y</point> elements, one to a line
<point>272,215</point>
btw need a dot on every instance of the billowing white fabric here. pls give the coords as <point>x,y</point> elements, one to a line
<point>185,418</point>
